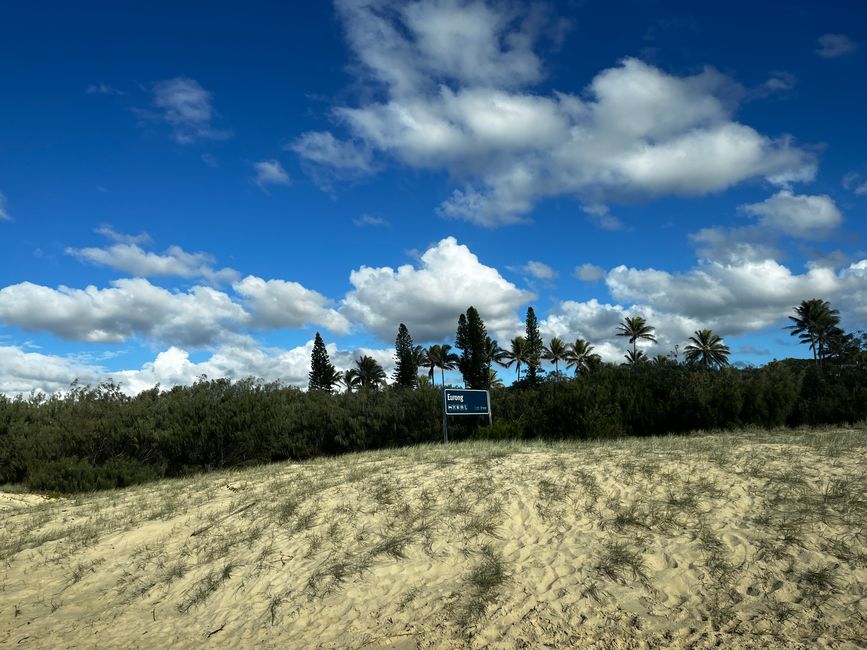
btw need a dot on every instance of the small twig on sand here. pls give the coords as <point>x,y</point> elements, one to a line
<point>219,629</point>
<point>201,530</point>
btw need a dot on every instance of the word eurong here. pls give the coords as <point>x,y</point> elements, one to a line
<point>455,398</point>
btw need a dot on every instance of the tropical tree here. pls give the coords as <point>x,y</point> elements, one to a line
<point>661,361</point>
<point>493,380</point>
<point>471,339</point>
<point>322,375</point>
<point>496,354</point>
<point>579,355</point>
<point>706,349</point>
<point>517,354</point>
<point>441,356</point>
<point>814,322</point>
<point>370,373</point>
<point>419,355</point>
<point>635,358</point>
<point>349,379</point>
<point>534,347</point>
<point>635,328</point>
<point>406,366</point>
<point>555,352</point>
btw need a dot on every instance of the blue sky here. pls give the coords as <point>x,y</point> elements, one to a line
<point>189,189</point>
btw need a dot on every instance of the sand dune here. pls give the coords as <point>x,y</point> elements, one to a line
<point>746,540</point>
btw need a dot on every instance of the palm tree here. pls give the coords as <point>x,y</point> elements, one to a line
<point>441,356</point>
<point>707,349</point>
<point>813,322</point>
<point>635,357</point>
<point>661,361</point>
<point>429,363</point>
<point>555,352</point>
<point>493,380</point>
<point>635,328</point>
<point>495,353</point>
<point>370,373</point>
<point>579,355</point>
<point>349,379</point>
<point>419,356</point>
<point>517,354</point>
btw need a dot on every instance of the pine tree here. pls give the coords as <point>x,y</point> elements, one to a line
<point>472,340</point>
<point>406,370</point>
<point>323,375</point>
<point>534,345</point>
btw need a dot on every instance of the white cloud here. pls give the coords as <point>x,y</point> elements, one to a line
<point>270,172</point>
<point>409,46</point>
<point>279,303</point>
<point>110,233</point>
<point>128,256</point>
<point>370,220</point>
<point>188,108</point>
<point>130,307</point>
<point>735,245</point>
<point>832,46</point>
<point>4,214</point>
<point>538,270</point>
<point>728,298</point>
<point>22,372</point>
<point>634,133</point>
<point>798,215</point>
<point>807,217</point>
<point>323,148</point>
<point>589,272</point>
<point>429,298</point>
<point>779,83</point>
<point>852,181</point>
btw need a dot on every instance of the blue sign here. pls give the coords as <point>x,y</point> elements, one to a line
<point>466,402</point>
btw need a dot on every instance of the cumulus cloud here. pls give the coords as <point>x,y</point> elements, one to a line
<point>785,214</point>
<point>538,270</point>
<point>803,216</point>
<point>589,272</point>
<point>456,77</point>
<point>430,297</point>
<point>188,108</point>
<point>730,299</point>
<point>833,46</point>
<point>126,255</point>
<point>270,172</point>
<point>4,214</point>
<point>279,303</point>
<point>21,371</point>
<point>130,307</point>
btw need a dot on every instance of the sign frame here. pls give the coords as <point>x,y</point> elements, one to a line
<point>446,413</point>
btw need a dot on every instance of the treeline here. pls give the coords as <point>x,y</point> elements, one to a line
<point>96,438</point>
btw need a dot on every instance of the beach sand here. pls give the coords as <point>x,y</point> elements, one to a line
<point>736,540</point>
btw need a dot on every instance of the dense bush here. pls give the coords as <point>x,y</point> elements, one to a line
<point>94,438</point>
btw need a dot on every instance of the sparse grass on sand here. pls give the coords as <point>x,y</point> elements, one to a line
<point>739,540</point>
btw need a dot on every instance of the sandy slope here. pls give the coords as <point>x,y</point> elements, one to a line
<point>742,540</point>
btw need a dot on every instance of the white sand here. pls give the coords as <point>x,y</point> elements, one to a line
<point>745,541</point>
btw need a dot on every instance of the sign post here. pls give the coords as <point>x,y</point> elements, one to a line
<point>465,401</point>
